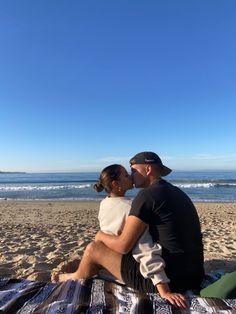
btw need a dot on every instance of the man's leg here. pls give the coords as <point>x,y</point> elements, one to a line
<point>96,256</point>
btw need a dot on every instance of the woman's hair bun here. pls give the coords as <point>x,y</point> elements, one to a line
<point>98,186</point>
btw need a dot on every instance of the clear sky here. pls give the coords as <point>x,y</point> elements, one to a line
<point>84,84</point>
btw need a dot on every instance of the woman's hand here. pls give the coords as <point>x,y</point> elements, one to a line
<point>98,236</point>
<point>175,299</point>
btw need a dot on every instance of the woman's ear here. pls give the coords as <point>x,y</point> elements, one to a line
<point>114,184</point>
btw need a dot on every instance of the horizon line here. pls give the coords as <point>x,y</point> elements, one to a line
<point>95,171</point>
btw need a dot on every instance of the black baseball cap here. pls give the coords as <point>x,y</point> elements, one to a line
<point>150,158</point>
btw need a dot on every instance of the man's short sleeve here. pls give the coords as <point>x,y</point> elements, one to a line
<point>140,207</point>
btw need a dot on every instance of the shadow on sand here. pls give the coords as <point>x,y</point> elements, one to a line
<point>226,266</point>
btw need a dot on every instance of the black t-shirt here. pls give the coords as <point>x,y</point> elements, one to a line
<point>174,223</point>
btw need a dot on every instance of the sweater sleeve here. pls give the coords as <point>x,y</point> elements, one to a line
<point>148,254</point>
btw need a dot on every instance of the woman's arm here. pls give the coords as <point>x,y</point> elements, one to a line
<point>124,243</point>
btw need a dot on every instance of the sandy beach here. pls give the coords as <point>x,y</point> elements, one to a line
<point>37,238</point>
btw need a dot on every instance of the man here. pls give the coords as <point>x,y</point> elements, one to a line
<point>173,223</point>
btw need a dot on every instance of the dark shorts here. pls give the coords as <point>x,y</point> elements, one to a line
<point>132,277</point>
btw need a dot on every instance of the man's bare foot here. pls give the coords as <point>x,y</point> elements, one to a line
<point>56,277</point>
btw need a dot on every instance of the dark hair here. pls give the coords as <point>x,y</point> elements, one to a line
<point>107,175</point>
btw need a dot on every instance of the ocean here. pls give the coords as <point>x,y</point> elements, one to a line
<point>200,186</point>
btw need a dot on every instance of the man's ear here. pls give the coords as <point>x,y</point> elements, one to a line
<point>148,169</point>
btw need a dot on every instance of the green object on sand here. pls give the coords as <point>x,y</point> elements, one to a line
<point>224,288</point>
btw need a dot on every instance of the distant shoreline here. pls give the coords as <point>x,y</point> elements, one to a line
<point>95,200</point>
<point>12,172</point>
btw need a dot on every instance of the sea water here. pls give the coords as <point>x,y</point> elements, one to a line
<point>200,186</point>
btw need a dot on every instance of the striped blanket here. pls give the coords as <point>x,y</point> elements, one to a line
<point>94,296</point>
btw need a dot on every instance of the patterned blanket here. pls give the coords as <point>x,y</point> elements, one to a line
<point>95,296</point>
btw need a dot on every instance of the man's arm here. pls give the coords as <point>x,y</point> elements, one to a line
<point>123,243</point>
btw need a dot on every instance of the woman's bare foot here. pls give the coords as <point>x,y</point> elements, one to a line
<point>56,277</point>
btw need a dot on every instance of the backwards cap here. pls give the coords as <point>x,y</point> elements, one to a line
<point>150,158</point>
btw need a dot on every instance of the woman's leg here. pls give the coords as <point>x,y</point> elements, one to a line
<point>96,256</point>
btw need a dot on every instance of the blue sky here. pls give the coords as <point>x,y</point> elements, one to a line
<point>84,84</point>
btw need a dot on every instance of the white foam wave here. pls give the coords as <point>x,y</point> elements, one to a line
<point>194,185</point>
<point>205,185</point>
<point>43,187</point>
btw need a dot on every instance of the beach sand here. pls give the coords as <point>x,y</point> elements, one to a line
<point>38,237</point>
